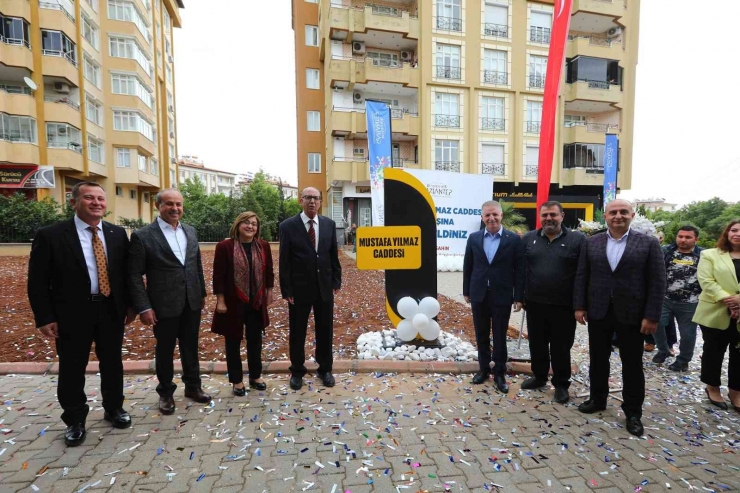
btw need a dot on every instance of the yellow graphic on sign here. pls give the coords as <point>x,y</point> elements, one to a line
<point>389,248</point>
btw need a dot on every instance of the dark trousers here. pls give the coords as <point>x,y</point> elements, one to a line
<point>716,342</point>
<point>552,330</point>
<point>105,328</point>
<point>253,335</point>
<point>168,331</point>
<point>630,343</point>
<point>485,315</point>
<point>323,314</point>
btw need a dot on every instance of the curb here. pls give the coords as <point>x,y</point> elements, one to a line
<point>340,366</point>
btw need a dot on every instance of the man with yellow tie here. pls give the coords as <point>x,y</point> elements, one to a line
<point>77,291</point>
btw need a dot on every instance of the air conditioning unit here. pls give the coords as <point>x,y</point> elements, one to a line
<point>169,58</point>
<point>358,48</point>
<point>62,130</point>
<point>407,56</point>
<point>358,97</point>
<point>170,108</point>
<point>172,135</point>
<point>173,160</point>
<point>61,87</point>
<point>614,32</point>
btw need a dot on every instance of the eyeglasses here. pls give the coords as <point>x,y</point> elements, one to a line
<point>309,198</point>
<point>251,223</point>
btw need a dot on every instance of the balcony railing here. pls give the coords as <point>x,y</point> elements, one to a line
<point>72,146</point>
<point>495,30</point>
<point>15,41</point>
<point>493,77</point>
<point>385,10</point>
<point>56,6</point>
<point>396,113</point>
<point>492,124</point>
<point>447,166</point>
<point>594,40</point>
<point>497,169</point>
<point>594,127</point>
<point>447,72</point>
<point>530,170</point>
<point>449,23</point>
<point>534,127</point>
<point>591,168</point>
<point>537,81</point>
<point>539,35</point>
<point>68,55</point>
<point>67,101</point>
<point>11,89</point>
<point>450,121</point>
<point>401,162</point>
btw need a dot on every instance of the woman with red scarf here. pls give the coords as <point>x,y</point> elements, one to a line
<point>243,280</point>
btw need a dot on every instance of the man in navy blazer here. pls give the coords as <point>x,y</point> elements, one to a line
<point>493,279</point>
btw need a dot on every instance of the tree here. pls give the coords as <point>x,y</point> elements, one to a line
<point>513,220</point>
<point>20,217</point>
<point>268,197</point>
<point>292,207</point>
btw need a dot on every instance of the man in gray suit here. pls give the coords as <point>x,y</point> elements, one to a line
<point>167,252</point>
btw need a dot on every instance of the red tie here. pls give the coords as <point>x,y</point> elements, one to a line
<point>312,234</point>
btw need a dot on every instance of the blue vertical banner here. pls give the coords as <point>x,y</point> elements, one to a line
<point>611,157</point>
<point>379,151</point>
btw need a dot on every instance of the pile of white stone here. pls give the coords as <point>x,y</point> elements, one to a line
<point>386,345</point>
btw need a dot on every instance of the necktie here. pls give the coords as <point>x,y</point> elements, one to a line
<point>312,233</point>
<point>100,261</point>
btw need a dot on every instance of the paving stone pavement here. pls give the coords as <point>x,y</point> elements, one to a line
<point>372,432</point>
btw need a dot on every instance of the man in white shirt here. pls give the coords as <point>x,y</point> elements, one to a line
<point>167,252</point>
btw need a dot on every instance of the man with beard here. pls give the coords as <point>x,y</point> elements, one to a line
<point>551,260</point>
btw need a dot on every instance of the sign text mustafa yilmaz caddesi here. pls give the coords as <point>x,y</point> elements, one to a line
<point>389,247</point>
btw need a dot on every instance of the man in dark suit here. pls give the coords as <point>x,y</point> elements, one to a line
<point>167,252</point>
<point>310,276</point>
<point>77,291</point>
<point>619,288</point>
<point>493,279</point>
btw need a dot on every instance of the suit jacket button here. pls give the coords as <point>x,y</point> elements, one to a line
<point>318,270</point>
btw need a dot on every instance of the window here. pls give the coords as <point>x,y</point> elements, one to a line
<point>496,21</point>
<point>90,31</point>
<point>93,110</point>
<point>153,166</point>
<point>173,154</point>
<point>574,120</point>
<point>314,121</point>
<point>446,109</point>
<point>312,78</point>
<point>534,116</point>
<point>167,46</point>
<point>95,149</point>
<point>312,36</point>
<point>537,71</point>
<point>123,157</point>
<point>599,72</point>
<point>494,67</point>
<point>492,159</point>
<point>145,197</point>
<point>358,154</point>
<point>142,163</point>
<point>531,160</point>
<point>14,31</point>
<point>129,48</point>
<point>448,61</point>
<point>18,128</point>
<point>589,156</point>
<point>132,194</point>
<point>539,29</point>
<point>170,99</point>
<point>168,73</point>
<point>56,43</point>
<point>133,121</point>
<point>312,1</point>
<point>446,155</point>
<point>173,182</point>
<point>63,136</point>
<point>492,113</point>
<point>166,21</point>
<point>93,4</point>
<point>119,191</point>
<point>336,205</point>
<point>314,162</point>
<point>92,70</point>
<point>449,15</point>
<point>132,86</point>
<point>121,10</point>
<point>383,59</point>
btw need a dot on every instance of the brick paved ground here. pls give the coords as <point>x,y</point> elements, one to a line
<point>385,433</point>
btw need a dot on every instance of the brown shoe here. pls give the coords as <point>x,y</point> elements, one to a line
<point>198,396</point>
<point>649,348</point>
<point>167,405</point>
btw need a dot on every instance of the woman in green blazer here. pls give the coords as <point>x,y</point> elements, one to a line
<point>718,312</point>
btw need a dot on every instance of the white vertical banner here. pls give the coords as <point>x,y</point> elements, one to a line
<point>378,116</point>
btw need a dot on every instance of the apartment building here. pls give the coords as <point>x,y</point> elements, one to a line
<point>215,181</point>
<point>465,82</point>
<point>87,92</point>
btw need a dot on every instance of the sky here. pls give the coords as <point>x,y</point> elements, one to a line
<point>235,89</point>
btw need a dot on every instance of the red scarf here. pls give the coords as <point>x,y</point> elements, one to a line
<point>242,270</point>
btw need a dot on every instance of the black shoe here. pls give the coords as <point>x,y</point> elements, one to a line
<point>660,357</point>
<point>327,378</point>
<point>533,383</point>
<point>198,396</point>
<point>501,384</point>
<point>591,406</point>
<point>720,404</point>
<point>296,382</point>
<point>120,418</point>
<point>561,395</point>
<point>678,366</point>
<point>480,378</point>
<point>257,385</point>
<point>239,391</point>
<point>166,405</point>
<point>634,426</point>
<point>74,435</point>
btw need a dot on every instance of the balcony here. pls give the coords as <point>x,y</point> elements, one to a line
<point>594,46</point>
<point>372,17</point>
<point>500,31</point>
<point>19,152</point>
<point>16,53</point>
<point>530,171</point>
<point>592,90</point>
<point>533,127</point>
<point>495,124</point>
<point>448,166</point>
<point>447,73</point>
<point>62,109</point>
<point>57,65</point>
<point>495,78</point>
<point>133,139</point>
<point>536,82</point>
<point>351,169</point>
<point>53,16</point>
<point>612,8</point>
<point>360,72</point>
<point>539,35</point>
<point>65,156</point>
<point>17,100</point>
<point>446,121</point>
<point>449,24</point>
<point>345,122</point>
<point>495,169</point>
<point>591,176</point>
<point>590,133</point>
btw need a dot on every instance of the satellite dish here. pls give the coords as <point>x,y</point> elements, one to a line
<point>30,83</point>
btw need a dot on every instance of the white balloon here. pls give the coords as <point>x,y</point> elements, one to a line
<point>429,306</point>
<point>431,331</point>
<point>407,307</point>
<point>420,321</point>
<point>406,330</point>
